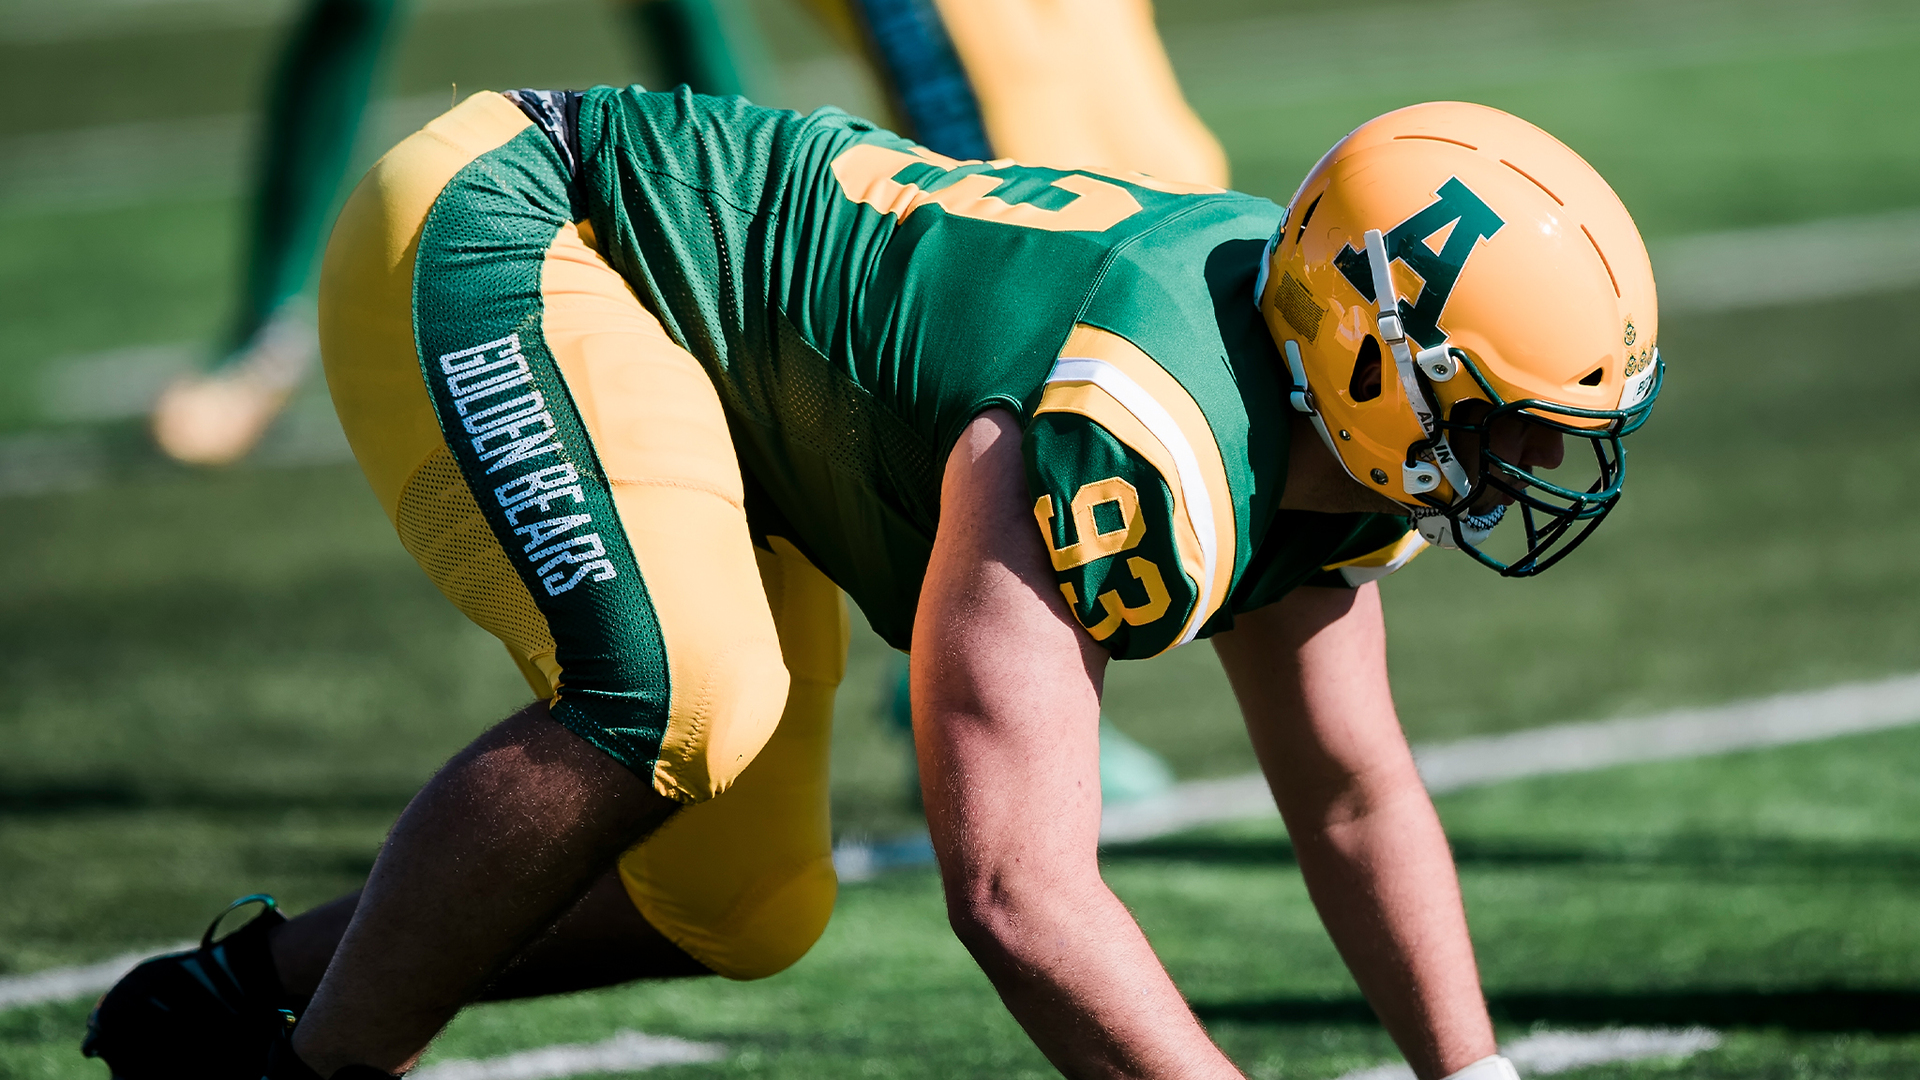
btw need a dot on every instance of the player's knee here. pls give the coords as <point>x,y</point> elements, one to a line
<point>776,928</point>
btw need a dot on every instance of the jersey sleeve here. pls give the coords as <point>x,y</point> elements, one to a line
<point>1109,519</point>
<point>1131,495</point>
<point>1334,551</point>
<point>1380,546</point>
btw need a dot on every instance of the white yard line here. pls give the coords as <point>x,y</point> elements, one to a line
<point>65,984</point>
<point>1545,1053</point>
<point>1563,748</point>
<point>629,1051</point>
<point>1847,709</point>
<point>1812,260</point>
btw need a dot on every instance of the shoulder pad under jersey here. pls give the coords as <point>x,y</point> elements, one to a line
<point>1130,496</point>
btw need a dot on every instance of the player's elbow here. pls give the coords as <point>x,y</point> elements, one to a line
<point>1004,915</point>
<point>987,920</point>
<point>1349,814</point>
<point>978,911</point>
<point>1337,794</point>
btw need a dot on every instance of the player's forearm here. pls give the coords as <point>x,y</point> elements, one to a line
<point>1073,967</point>
<point>1379,871</point>
<point>1311,676</point>
<point>486,856</point>
<point>1006,712</point>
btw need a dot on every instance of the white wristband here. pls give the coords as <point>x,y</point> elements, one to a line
<point>1491,1067</point>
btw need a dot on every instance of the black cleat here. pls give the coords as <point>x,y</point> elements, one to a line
<point>213,1012</point>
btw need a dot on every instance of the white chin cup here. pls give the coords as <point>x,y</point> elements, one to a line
<point>1491,1067</point>
<point>1475,528</point>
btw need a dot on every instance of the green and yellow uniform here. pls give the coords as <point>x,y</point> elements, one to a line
<point>636,382</point>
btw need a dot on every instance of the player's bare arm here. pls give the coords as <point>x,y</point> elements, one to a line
<point>1006,710</point>
<point>1310,674</point>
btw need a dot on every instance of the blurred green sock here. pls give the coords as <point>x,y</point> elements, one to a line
<point>711,46</point>
<point>923,74</point>
<point>318,97</point>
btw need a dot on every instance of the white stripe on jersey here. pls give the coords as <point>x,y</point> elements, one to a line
<point>1160,423</point>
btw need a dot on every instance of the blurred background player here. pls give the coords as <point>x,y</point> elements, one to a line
<point>1081,83</point>
<point>315,108</point>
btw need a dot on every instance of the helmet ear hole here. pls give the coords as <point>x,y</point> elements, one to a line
<point>1593,377</point>
<point>1365,383</point>
<point>1306,217</point>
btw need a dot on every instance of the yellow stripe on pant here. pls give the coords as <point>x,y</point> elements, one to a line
<point>742,879</point>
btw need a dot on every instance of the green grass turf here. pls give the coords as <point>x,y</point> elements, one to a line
<point>1770,895</point>
<point>230,681</point>
<point>1703,114</point>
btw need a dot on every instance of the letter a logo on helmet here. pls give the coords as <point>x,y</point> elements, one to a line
<point>1446,276</point>
<point>1472,221</point>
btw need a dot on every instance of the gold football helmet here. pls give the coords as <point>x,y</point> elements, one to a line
<point>1446,274</point>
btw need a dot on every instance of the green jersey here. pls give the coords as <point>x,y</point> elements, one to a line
<point>857,300</point>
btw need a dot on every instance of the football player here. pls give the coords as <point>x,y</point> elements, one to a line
<point>640,378</point>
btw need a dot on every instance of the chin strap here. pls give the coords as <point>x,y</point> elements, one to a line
<point>1437,528</point>
<point>1302,400</point>
<point>1417,476</point>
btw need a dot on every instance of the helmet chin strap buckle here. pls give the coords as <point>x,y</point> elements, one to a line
<point>1437,363</point>
<point>1301,398</point>
<point>1437,528</point>
<point>1419,477</point>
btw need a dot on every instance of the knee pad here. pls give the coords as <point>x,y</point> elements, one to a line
<point>727,705</point>
<point>763,932</point>
<point>776,928</point>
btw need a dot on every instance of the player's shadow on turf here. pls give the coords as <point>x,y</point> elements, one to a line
<point>34,797</point>
<point>1815,1009</point>
<point>1708,854</point>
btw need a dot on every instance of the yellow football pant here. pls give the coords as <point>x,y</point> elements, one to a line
<point>1081,84</point>
<point>1071,84</point>
<point>755,638</point>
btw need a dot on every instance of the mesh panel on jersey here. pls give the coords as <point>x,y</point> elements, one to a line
<point>442,528</point>
<point>823,410</point>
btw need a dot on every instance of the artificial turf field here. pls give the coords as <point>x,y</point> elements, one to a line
<point>232,681</point>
